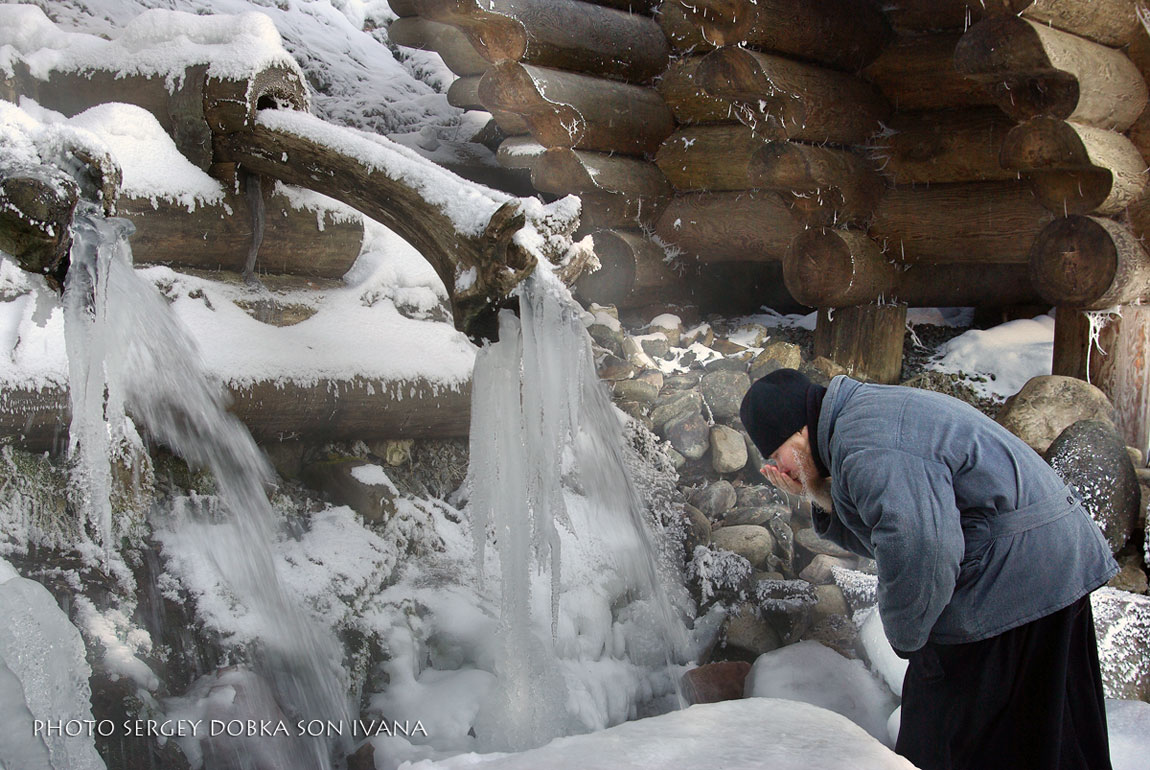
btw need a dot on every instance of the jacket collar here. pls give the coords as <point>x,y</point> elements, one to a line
<point>838,392</point>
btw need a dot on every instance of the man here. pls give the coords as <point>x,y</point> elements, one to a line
<point>985,560</point>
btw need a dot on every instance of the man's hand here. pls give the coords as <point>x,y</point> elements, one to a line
<point>781,480</point>
<point>816,490</point>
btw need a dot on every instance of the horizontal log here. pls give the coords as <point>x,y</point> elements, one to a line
<point>404,8</point>
<point>561,34</point>
<point>566,172</point>
<point>944,146</point>
<point>984,222</point>
<point>784,99</point>
<point>37,203</point>
<point>928,15</point>
<point>606,211</point>
<point>728,226</point>
<point>709,157</point>
<point>1089,263</point>
<point>1076,169</point>
<point>320,412</point>
<point>844,34</point>
<point>1109,22</point>
<point>840,268</point>
<point>818,179</point>
<point>916,72</point>
<point>520,152</point>
<point>685,95</point>
<point>565,109</point>
<point>1032,70</point>
<point>464,93</point>
<point>218,236</point>
<point>681,31</point>
<point>452,45</point>
<point>645,7</point>
<point>634,271</point>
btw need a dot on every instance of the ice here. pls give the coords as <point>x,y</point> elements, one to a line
<point>43,676</point>
<point>881,655</point>
<point>747,734</point>
<point>1128,722</point>
<point>812,673</point>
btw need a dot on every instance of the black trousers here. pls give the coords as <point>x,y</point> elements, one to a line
<point>1028,699</point>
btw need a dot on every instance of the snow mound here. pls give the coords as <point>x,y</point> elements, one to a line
<point>747,734</point>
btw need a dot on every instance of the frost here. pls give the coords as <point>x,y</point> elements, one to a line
<point>719,574</point>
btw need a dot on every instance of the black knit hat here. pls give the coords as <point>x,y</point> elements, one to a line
<point>775,408</point>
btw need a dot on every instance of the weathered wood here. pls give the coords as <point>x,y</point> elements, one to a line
<point>1089,263</point>
<point>565,172</point>
<point>834,183</point>
<point>464,93</point>
<point>605,211</point>
<point>1110,22</point>
<point>864,339</point>
<point>682,33</point>
<point>985,222</point>
<point>684,94</point>
<point>839,268</point>
<point>1076,169</point>
<point>784,99</point>
<point>565,109</point>
<point>560,34</point>
<point>296,149</point>
<point>519,152</point>
<point>728,226</point>
<point>327,410</point>
<point>645,7</point>
<point>1032,70</point>
<point>916,72</point>
<point>634,271</point>
<point>944,146</point>
<point>405,8</point>
<point>709,157</point>
<point>452,45</point>
<point>844,34</point>
<point>36,207</point>
<point>296,241</point>
<point>926,15</point>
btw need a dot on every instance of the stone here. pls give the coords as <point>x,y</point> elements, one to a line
<point>610,310</point>
<point>1122,621</point>
<point>1136,457</point>
<point>784,543</point>
<point>362,758</point>
<point>715,682</point>
<point>776,355</point>
<point>671,326</point>
<point>788,605</point>
<point>715,499</point>
<point>675,406</point>
<point>689,435</point>
<point>723,392</point>
<point>728,451</point>
<point>653,376</point>
<point>760,495</point>
<point>682,381</point>
<point>635,410</point>
<point>1048,405</point>
<point>702,334</point>
<point>755,459</point>
<point>397,452</point>
<point>676,459</point>
<point>726,347</point>
<point>821,569</point>
<point>1131,577</point>
<point>655,345</point>
<point>1091,457</point>
<point>808,540</point>
<point>836,632</point>
<point>725,364</point>
<point>751,335</point>
<point>354,482</point>
<point>830,601</point>
<point>1143,475</point>
<point>756,515</point>
<point>745,630</point>
<point>612,367</point>
<point>606,334</point>
<point>822,370</point>
<point>634,353</point>
<point>643,391</point>
<point>754,544</point>
<point>698,528</point>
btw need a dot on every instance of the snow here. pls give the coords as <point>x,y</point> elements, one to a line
<point>880,654</point>
<point>743,734</point>
<point>1128,722</point>
<point>1006,356</point>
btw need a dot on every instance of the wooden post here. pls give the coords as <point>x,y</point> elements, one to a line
<point>865,339</point>
<point>1076,169</point>
<point>1031,69</point>
<point>785,99</point>
<point>944,146</point>
<point>844,34</point>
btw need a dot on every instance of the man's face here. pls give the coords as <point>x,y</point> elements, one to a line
<point>794,458</point>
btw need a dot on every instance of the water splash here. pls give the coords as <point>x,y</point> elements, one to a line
<point>540,413</point>
<point>128,353</point>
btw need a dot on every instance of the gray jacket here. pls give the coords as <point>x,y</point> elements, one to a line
<point>973,533</point>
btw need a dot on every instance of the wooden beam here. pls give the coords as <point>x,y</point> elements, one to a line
<point>452,45</point>
<point>944,146</point>
<point>784,99</point>
<point>565,171</point>
<point>715,156</point>
<point>684,94</point>
<point>1076,169</point>
<point>844,34</point>
<point>560,34</point>
<point>865,339</point>
<point>984,222</point>
<point>916,72</point>
<point>930,15</point>
<point>565,109</point>
<point>729,226</point>
<point>682,32</point>
<point>821,183</point>
<point>634,271</point>
<point>1109,22</point>
<point>1032,70</point>
<point>1089,263</point>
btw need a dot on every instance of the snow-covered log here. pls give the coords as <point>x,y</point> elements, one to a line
<point>844,34</point>
<point>1074,168</point>
<point>785,99</point>
<point>36,206</point>
<point>1031,69</point>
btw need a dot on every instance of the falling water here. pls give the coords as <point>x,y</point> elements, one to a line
<point>539,412</point>
<point>127,351</point>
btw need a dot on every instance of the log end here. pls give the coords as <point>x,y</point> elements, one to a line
<point>824,267</point>
<point>1080,191</point>
<point>1073,262</point>
<point>1043,142</point>
<point>230,105</point>
<point>1000,45</point>
<point>736,76</point>
<point>561,171</point>
<point>495,36</point>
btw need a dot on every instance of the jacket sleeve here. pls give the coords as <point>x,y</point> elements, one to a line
<point>829,527</point>
<point>908,504</point>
